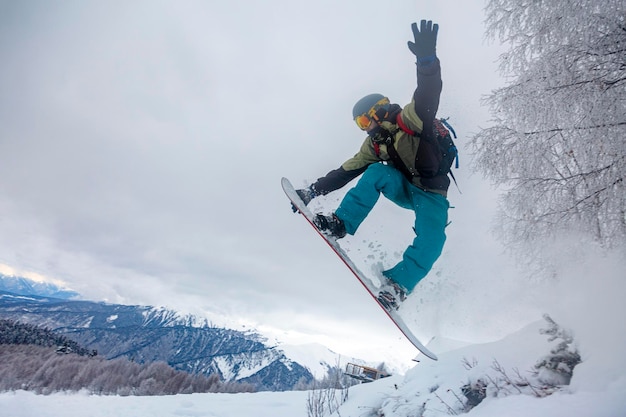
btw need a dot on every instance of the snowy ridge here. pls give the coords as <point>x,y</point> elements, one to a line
<point>26,287</point>
<point>162,316</point>
<point>244,365</point>
<point>319,359</point>
<point>315,357</point>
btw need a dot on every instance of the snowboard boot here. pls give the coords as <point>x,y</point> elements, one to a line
<point>330,225</point>
<point>391,295</point>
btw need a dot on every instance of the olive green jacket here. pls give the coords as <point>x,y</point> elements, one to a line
<point>418,117</point>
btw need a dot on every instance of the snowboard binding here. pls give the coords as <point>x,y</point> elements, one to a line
<point>391,295</point>
<point>330,225</point>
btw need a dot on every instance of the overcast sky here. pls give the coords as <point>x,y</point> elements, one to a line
<point>142,145</point>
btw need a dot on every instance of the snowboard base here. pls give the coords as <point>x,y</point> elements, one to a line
<point>363,279</point>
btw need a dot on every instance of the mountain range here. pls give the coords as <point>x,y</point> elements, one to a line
<point>25,286</point>
<point>147,334</point>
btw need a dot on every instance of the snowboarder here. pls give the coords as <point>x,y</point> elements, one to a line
<point>392,163</point>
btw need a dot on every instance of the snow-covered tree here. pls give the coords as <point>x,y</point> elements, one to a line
<point>558,139</point>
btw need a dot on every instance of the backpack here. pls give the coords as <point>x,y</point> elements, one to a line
<point>435,156</point>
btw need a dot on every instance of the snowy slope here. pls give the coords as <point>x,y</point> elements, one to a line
<point>434,388</point>
<point>315,357</point>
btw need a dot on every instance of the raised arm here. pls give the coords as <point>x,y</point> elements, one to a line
<point>429,84</point>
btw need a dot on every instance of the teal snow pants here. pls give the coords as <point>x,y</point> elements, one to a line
<point>431,218</point>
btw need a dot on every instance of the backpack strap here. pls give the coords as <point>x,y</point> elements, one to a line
<point>398,163</point>
<point>404,127</point>
<point>376,148</point>
<point>393,156</point>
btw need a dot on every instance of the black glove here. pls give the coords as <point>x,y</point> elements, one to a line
<point>424,47</point>
<point>306,195</point>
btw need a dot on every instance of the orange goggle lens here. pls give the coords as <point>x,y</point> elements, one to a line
<point>363,121</point>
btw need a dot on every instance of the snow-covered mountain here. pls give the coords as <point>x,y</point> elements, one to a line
<point>318,359</point>
<point>25,286</point>
<point>79,318</point>
<point>147,334</point>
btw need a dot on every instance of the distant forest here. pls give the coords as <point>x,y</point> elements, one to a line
<point>14,333</point>
<point>36,359</point>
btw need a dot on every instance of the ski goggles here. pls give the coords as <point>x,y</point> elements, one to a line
<point>378,111</point>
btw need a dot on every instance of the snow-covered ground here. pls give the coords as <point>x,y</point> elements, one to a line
<point>284,404</point>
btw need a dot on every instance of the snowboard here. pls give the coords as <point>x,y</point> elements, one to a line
<point>363,279</point>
